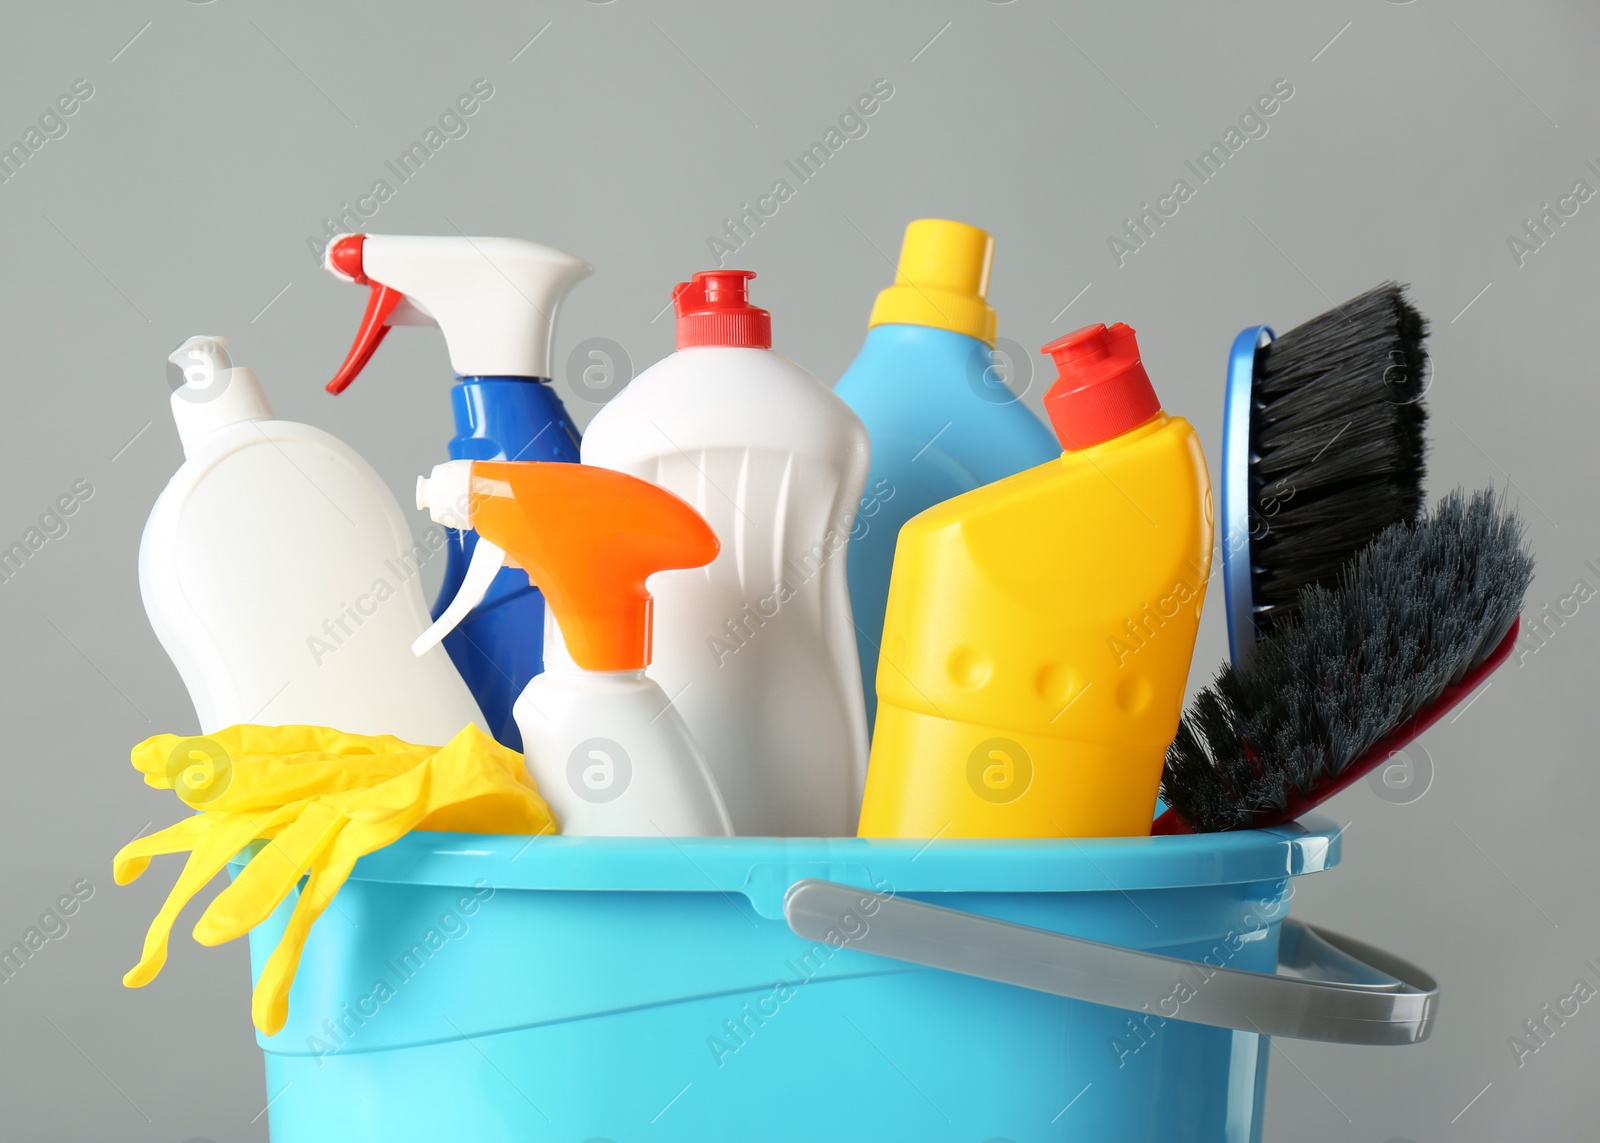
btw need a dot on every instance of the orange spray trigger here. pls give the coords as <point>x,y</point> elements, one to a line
<point>589,538</point>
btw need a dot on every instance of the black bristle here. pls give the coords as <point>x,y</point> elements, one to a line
<point>1337,443</point>
<point>1413,612</point>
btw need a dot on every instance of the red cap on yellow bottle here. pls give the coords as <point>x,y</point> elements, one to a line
<point>1101,389</point>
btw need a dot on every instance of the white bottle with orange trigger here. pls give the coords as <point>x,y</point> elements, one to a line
<point>608,750</point>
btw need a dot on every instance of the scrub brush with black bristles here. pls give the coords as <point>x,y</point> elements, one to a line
<point>1322,449</point>
<point>1412,625</point>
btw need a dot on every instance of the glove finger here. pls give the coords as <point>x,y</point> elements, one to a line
<point>134,858</point>
<point>261,781</point>
<point>150,756</point>
<point>153,756</point>
<point>212,850</point>
<point>269,1006</point>
<point>271,873</point>
<point>269,1003</point>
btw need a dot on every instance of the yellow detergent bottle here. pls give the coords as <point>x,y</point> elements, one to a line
<point>1039,629</point>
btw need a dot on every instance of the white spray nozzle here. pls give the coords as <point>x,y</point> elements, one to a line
<point>486,563</point>
<point>446,494</point>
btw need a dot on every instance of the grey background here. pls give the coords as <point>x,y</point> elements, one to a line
<point>220,135</point>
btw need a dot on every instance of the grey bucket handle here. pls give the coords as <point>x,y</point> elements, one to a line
<point>1359,994</point>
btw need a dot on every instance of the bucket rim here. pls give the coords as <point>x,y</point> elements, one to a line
<point>762,869</point>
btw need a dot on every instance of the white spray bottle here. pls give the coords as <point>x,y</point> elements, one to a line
<point>495,301</point>
<point>759,645</point>
<point>279,574</point>
<point>607,748</point>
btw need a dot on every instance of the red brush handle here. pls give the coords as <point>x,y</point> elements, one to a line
<point>1381,751</point>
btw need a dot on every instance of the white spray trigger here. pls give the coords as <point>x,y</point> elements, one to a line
<point>487,559</point>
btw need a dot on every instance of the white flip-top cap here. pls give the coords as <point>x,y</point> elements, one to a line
<point>215,393</point>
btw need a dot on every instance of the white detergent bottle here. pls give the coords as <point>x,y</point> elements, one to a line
<point>279,575</point>
<point>757,650</point>
<point>608,750</point>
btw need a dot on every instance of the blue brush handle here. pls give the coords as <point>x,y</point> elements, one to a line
<point>1236,525</point>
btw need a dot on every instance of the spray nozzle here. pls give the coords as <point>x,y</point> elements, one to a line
<point>494,299</point>
<point>587,537</point>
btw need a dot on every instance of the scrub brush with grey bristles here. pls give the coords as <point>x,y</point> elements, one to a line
<point>1322,449</point>
<point>1412,625</point>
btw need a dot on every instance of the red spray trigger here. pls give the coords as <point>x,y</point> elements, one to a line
<point>344,259</point>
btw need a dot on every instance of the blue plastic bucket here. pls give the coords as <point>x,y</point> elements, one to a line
<point>578,989</point>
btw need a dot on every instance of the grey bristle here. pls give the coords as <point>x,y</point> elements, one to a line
<point>1337,443</point>
<point>1413,612</point>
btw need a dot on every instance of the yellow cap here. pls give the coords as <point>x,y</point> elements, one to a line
<point>942,280</point>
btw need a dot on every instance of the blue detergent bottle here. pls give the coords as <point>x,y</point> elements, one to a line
<point>495,300</point>
<point>940,419</point>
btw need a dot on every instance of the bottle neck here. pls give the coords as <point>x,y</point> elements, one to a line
<point>511,418</point>
<point>558,661</point>
<point>571,671</point>
<point>924,360</point>
<point>898,332</point>
<point>1137,433</point>
<point>234,396</point>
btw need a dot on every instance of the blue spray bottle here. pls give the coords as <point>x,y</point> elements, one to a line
<point>939,420</point>
<point>495,300</point>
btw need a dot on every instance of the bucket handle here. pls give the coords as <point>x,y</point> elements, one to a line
<point>1350,993</point>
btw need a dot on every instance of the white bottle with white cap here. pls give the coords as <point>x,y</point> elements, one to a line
<point>278,573</point>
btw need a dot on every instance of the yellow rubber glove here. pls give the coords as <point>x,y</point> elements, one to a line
<point>321,803</point>
<point>255,767</point>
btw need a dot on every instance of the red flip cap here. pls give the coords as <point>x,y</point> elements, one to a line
<point>1101,389</point>
<point>714,309</point>
<point>344,258</point>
